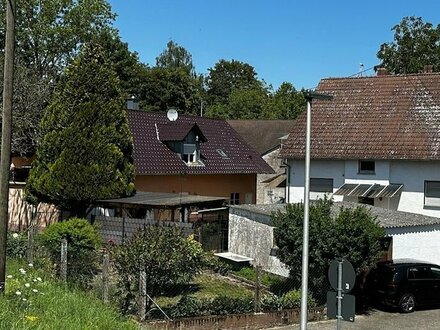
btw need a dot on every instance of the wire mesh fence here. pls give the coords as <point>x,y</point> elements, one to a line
<point>219,286</point>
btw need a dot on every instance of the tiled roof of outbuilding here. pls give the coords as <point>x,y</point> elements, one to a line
<point>153,157</point>
<point>262,135</point>
<point>383,117</point>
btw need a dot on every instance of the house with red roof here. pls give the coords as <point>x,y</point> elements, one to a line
<point>377,142</point>
<point>193,155</point>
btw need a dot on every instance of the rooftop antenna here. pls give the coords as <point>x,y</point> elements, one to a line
<point>361,69</point>
<point>172,115</point>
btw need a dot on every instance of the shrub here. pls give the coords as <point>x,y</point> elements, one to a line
<point>213,263</point>
<point>167,258</point>
<point>16,245</point>
<point>292,299</point>
<point>82,244</point>
<point>223,305</point>
<point>271,302</point>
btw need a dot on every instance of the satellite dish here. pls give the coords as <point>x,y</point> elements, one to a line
<point>172,115</point>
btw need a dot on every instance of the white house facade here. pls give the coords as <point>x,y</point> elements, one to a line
<point>376,142</point>
<point>409,186</point>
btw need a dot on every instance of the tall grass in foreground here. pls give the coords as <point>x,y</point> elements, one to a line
<point>33,301</point>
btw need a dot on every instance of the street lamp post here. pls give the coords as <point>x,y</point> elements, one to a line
<point>305,252</point>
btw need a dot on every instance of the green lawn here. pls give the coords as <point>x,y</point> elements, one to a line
<point>210,285</point>
<point>34,301</point>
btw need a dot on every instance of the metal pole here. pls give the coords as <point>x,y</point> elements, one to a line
<point>5,157</point>
<point>305,252</point>
<point>339,297</point>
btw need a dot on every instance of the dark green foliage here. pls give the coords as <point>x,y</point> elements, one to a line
<point>415,45</point>
<point>285,103</point>
<point>227,76</point>
<point>164,88</point>
<point>86,148</point>
<point>223,305</point>
<point>16,245</point>
<point>83,242</point>
<point>213,263</point>
<point>48,35</point>
<point>290,300</point>
<point>176,57</point>
<point>168,259</point>
<point>352,234</point>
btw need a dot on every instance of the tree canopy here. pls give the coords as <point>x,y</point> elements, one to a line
<point>48,36</point>
<point>85,152</point>
<point>416,44</point>
<point>176,57</point>
<point>352,234</point>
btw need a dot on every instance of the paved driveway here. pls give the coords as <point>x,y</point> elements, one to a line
<point>419,320</point>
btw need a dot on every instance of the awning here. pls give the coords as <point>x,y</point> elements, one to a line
<point>368,190</point>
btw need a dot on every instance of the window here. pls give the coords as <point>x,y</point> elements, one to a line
<point>367,167</point>
<point>366,200</point>
<point>419,273</point>
<point>235,199</point>
<point>435,272</point>
<point>432,193</point>
<point>321,185</point>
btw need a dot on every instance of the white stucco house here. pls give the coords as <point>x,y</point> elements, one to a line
<point>377,142</point>
<point>251,234</point>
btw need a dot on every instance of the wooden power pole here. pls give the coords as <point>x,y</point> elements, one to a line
<point>5,152</point>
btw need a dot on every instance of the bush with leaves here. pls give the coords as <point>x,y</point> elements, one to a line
<point>351,233</point>
<point>164,254</point>
<point>16,246</point>
<point>83,242</point>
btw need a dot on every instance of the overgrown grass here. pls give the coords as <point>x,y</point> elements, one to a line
<point>209,285</point>
<point>34,301</point>
<point>269,280</point>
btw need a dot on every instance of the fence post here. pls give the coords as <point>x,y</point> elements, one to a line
<point>105,277</point>
<point>123,230</point>
<point>63,270</point>
<point>142,295</point>
<point>30,245</point>
<point>257,300</point>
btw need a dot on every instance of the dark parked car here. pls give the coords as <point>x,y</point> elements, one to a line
<point>404,283</point>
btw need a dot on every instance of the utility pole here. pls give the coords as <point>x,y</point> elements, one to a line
<point>5,152</point>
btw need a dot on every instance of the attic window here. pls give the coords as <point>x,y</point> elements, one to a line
<point>222,154</point>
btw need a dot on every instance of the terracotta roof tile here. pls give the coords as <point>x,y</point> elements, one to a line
<point>151,156</point>
<point>384,117</point>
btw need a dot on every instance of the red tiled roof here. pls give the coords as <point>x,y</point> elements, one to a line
<point>384,117</point>
<point>151,156</point>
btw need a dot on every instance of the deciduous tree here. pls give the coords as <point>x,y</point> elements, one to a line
<point>415,45</point>
<point>352,233</point>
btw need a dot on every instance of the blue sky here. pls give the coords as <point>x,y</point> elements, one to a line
<point>284,40</point>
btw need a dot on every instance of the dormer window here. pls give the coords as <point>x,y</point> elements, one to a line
<point>191,155</point>
<point>184,139</point>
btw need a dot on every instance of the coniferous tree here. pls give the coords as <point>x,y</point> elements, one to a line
<point>85,152</point>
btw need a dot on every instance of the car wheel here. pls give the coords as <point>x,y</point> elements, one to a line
<point>407,303</point>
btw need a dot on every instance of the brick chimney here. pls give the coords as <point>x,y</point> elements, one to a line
<point>381,72</point>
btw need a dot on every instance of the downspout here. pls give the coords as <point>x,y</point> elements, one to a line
<point>287,190</point>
